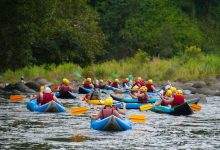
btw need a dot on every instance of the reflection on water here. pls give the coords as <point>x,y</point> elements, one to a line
<point>22,129</point>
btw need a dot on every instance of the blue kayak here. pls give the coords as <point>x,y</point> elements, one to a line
<point>66,95</point>
<point>83,90</point>
<point>52,106</point>
<point>183,109</point>
<point>164,109</point>
<point>133,100</point>
<point>111,123</point>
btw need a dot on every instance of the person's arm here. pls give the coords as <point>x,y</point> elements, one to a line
<point>56,99</point>
<point>153,88</point>
<point>123,110</point>
<point>95,117</point>
<point>158,103</point>
<point>168,100</point>
<point>132,95</point>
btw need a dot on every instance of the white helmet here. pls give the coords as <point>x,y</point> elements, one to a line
<point>167,87</point>
<point>47,90</point>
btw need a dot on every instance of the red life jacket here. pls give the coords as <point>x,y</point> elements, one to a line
<point>143,99</point>
<point>124,82</point>
<point>142,83</point>
<point>115,85</point>
<point>87,85</point>
<point>108,111</point>
<point>149,88</point>
<point>64,88</point>
<point>137,82</point>
<point>178,100</point>
<point>47,97</point>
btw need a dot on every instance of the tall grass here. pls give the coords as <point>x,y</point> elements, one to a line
<point>178,68</point>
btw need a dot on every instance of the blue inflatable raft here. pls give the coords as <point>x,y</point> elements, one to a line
<point>83,90</point>
<point>52,106</point>
<point>111,123</point>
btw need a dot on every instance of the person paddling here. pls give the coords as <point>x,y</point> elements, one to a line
<point>116,84</point>
<point>65,87</point>
<point>88,84</point>
<point>101,84</point>
<point>134,91</point>
<point>95,95</point>
<point>126,83</point>
<point>168,96</point>
<point>109,110</point>
<point>177,100</point>
<point>142,96</point>
<point>150,86</point>
<point>46,96</point>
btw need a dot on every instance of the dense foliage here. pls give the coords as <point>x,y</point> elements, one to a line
<point>36,32</point>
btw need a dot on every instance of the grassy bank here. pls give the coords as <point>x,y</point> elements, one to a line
<point>184,68</point>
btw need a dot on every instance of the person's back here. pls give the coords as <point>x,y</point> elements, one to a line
<point>47,96</point>
<point>178,99</point>
<point>65,87</point>
<point>115,84</point>
<point>143,97</point>
<point>88,84</point>
<point>108,111</point>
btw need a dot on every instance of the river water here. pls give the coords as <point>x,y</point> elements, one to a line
<point>22,129</point>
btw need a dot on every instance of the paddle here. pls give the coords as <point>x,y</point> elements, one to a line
<point>15,98</point>
<point>146,107</point>
<point>83,109</point>
<point>195,107</point>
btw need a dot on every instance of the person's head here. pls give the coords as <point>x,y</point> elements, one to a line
<point>65,81</point>
<point>173,89</point>
<point>143,89</point>
<point>41,88</point>
<point>22,77</point>
<point>179,92</point>
<point>101,81</point>
<point>126,79</point>
<point>139,78</point>
<point>135,88</point>
<point>168,93</point>
<point>167,87</point>
<point>116,80</point>
<point>89,80</point>
<point>108,102</point>
<point>47,90</point>
<point>150,81</point>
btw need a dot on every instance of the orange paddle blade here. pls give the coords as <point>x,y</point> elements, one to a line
<point>15,98</point>
<point>79,109</point>
<point>55,88</point>
<point>195,107</point>
<point>118,92</point>
<point>137,117</point>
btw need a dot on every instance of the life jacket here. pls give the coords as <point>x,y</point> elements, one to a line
<point>124,83</point>
<point>115,85</point>
<point>64,88</point>
<point>108,111</point>
<point>143,99</point>
<point>142,83</point>
<point>101,86</point>
<point>149,88</point>
<point>47,97</point>
<point>87,85</point>
<point>178,100</point>
<point>137,82</point>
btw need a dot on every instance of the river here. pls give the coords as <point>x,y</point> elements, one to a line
<point>22,129</point>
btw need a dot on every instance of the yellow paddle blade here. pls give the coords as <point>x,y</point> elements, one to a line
<point>15,98</point>
<point>195,107</point>
<point>146,107</point>
<point>137,117</point>
<point>79,110</point>
<point>138,121</point>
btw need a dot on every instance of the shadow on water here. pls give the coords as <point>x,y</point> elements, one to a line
<point>74,138</point>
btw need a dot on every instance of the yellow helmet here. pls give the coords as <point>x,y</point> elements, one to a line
<point>41,88</point>
<point>179,92</point>
<point>126,79</point>
<point>89,80</point>
<point>139,78</point>
<point>143,89</point>
<point>108,102</point>
<point>101,81</point>
<point>65,81</point>
<point>173,89</point>
<point>169,93</point>
<point>150,81</point>
<point>116,80</point>
<point>135,88</point>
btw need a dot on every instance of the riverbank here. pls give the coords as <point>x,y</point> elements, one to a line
<point>188,67</point>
